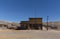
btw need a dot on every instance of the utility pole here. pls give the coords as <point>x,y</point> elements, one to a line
<point>35,12</point>
<point>47,22</point>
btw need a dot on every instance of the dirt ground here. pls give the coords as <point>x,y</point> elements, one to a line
<point>29,34</point>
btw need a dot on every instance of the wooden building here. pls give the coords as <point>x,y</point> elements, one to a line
<point>33,23</point>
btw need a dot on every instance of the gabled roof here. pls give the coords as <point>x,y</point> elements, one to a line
<point>24,21</point>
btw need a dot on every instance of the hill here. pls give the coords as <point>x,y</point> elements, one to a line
<point>52,25</point>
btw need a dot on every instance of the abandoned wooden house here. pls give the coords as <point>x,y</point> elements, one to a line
<point>33,24</point>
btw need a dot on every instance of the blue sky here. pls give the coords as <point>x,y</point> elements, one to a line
<point>21,10</point>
